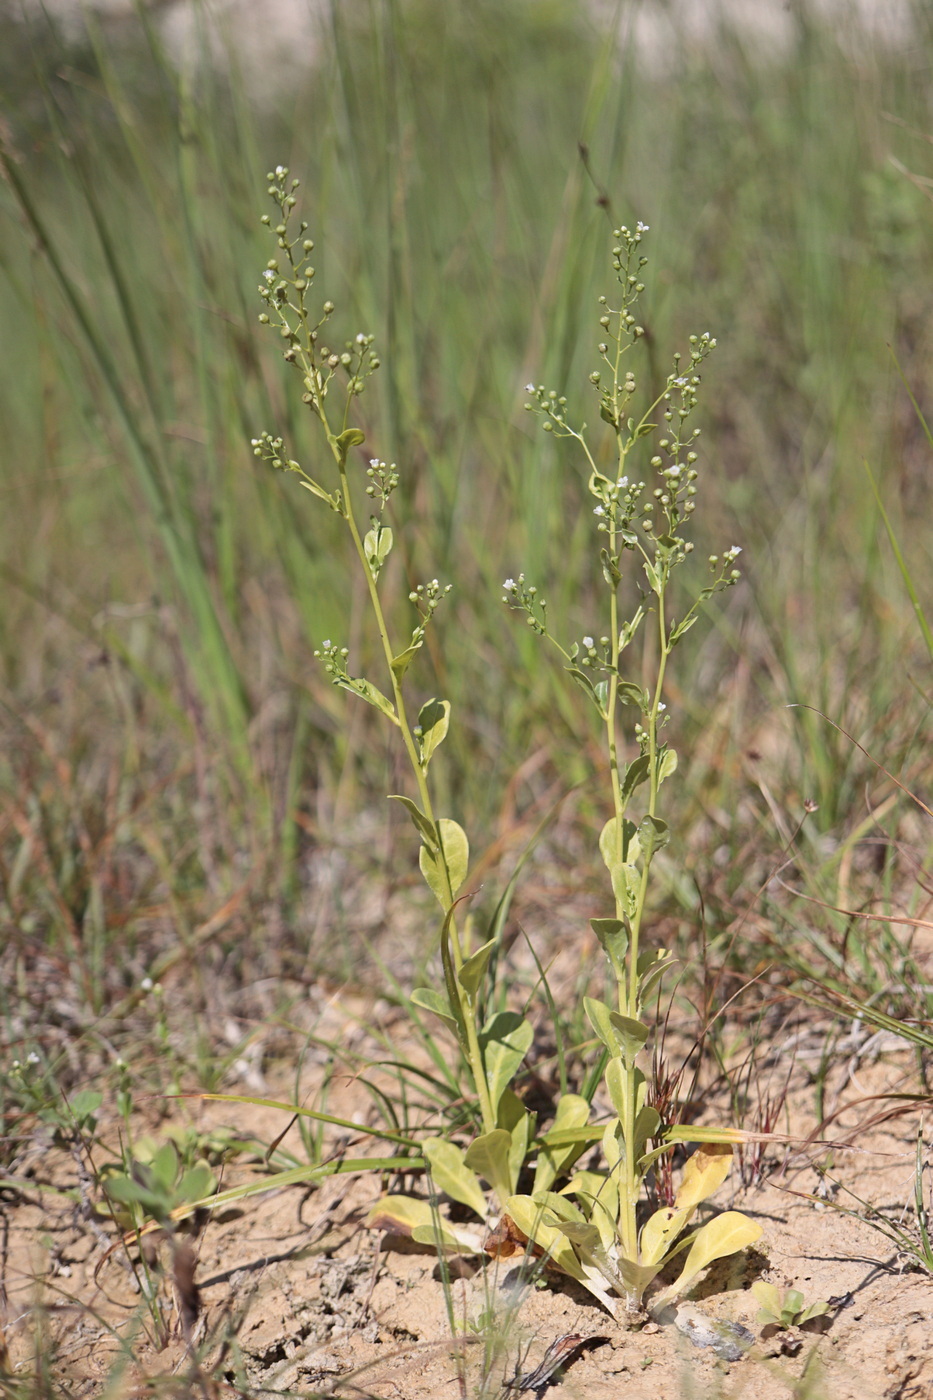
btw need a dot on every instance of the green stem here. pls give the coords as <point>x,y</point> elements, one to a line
<point>317,382</point>
<point>628,1220</point>
<point>652,809</point>
<point>467,1008</point>
<point>628,1214</point>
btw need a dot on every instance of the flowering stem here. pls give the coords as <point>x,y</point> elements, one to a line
<point>467,1007</point>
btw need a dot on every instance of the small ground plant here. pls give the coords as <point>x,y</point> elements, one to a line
<point>591,1227</point>
<point>784,1310</point>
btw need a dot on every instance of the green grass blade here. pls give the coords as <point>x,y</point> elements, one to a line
<point>898,555</point>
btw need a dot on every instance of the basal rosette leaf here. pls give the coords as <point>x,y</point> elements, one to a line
<point>723,1235</point>
<point>451,1174</point>
<point>573,1111</point>
<point>550,1239</point>
<point>814,1310</point>
<point>528,1215</point>
<point>490,1156</point>
<point>660,1231</point>
<point>770,1304</point>
<point>403,1215</point>
<point>703,1173</point>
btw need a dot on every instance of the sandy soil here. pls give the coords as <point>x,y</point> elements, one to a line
<point>297,1297</point>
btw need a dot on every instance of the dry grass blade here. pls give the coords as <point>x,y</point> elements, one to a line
<point>184,1268</point>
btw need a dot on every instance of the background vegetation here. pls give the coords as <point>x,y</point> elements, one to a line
<point>176,773</point>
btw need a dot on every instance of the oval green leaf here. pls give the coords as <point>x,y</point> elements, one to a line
<point>433,721</point>
<point>653,833</point>
<point>351,437</point>
<point>473,970</point>
<point>488,1156</point>
<point>371,694</point>
<point>631,1034</point>
<point>452,1175</point>
<point>452,866</point>
<point>599,1016</point>
<point>401,663</point>
<point>723,1235</point>
<point>573,1112</point>
<point>667,764</point>
<point>635,774</point>
<point>427,999</point>
<point>610,844</point>
<point>626,882</point>
<point>506,1040</point>
<point>613,938</point>
<point>425,828</point>
<point>703,1173</point>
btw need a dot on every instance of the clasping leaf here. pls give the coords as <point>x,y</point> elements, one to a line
<point>450,865</point>
<point>433,722</point>
<point>352,437</point>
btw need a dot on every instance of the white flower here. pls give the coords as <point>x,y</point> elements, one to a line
<point>587,641</point>
<point>326,644</point>
<point>280,171</point>
<point>509,585</point>
<point>661,707</point>
<point>529,388</point>
<point>269,275</point>
<point>735,550</point>
<point>598,510</point>
<point>642,228</point>
<point>32,1058</point>
<point>146,984</point>
<point>623,481</point>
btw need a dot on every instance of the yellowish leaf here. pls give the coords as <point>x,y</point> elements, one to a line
<point>723,1235</point>
<point>660,1232</point>
<point>703,1174</point>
